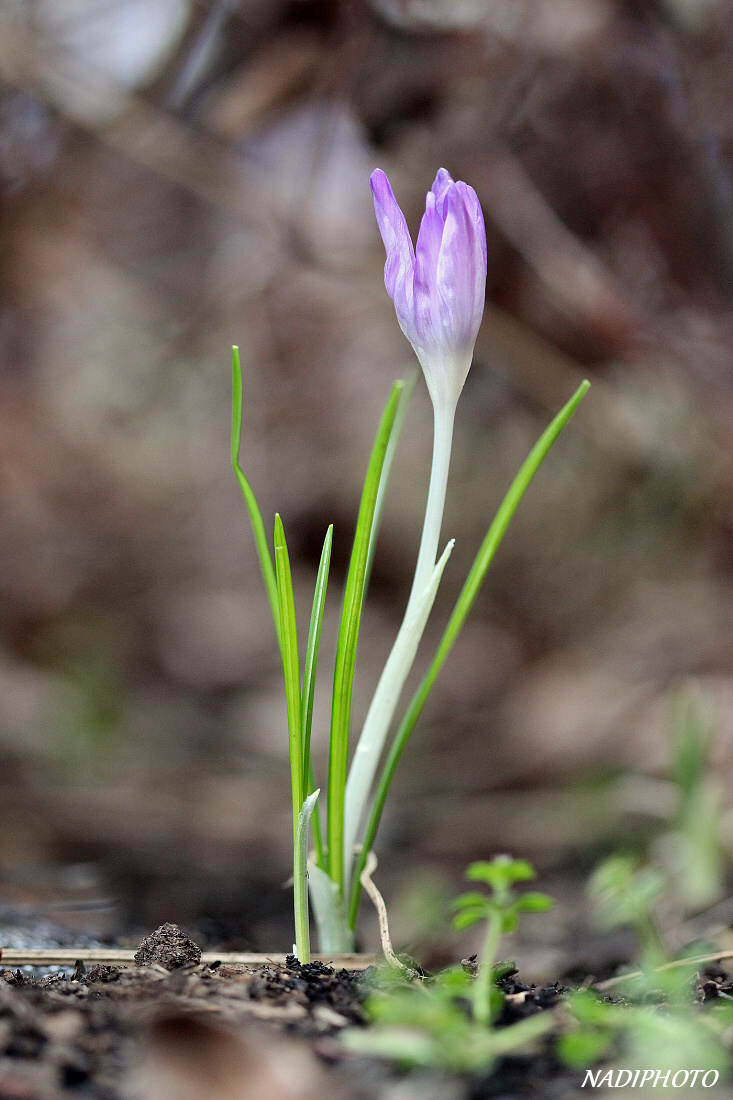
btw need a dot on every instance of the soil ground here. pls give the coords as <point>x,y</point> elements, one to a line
<point>176,1028</point>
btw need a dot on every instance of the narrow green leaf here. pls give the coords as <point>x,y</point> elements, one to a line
<point>255,516</point>
<point>464,604</point>
<point>334,934</point>
<point>309,683</point>
<point>401,412</point>
<point>343,679</point>
<point>300,879</point>
<point>289,635</point>
<point>318,847</point>
<point>311,653</point>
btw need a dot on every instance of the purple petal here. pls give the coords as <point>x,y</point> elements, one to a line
<point>427,252</point>
<point>400,263</point>
<point>438,287</point>
<point>441,184</point>
<point>461,272</point>
<point>478,244</point>
<point>473,207</point>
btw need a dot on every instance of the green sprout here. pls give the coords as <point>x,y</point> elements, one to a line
<point>654,1019</point>
<point>447,1021</point>
<point>699,853</point>
<point>500,910</point>
<point>624,893</point>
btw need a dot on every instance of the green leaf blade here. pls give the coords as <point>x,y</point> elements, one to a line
<point>309,684</point>
<point>348,637</point>
<point>467,901</point>
<point>467,918</point>
<point>314,641</point>
<point>534,903</point>
<point>291,667</point>
<point>250,500</point>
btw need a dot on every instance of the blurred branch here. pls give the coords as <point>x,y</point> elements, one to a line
<point>575,279</point>
<point>128,124</point>
<point>555,27</point>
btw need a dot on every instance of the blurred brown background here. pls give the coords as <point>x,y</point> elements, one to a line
<point>180,175</point>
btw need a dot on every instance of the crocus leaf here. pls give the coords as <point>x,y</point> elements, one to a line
<point>333,931</point>
<point>343,679</point>
<point>403,403</point>
<point>255,515</point>
<point>289,635</point>
<point>309,674</point>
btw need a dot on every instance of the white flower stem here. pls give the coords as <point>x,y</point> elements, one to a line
<point>444,417</point>
<point>391,682</point>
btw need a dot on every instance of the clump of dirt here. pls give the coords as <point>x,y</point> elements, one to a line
<point>169,947</point>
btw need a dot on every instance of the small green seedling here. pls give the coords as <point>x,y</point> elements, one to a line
<point>658,1030</point>
<point>624,893</point>
<point>699,853</point>
<point>500,910</point>
<point>446,1021</point>
<point>654,1020</point>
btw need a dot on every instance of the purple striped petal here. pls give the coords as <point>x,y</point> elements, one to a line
<point>439,288</point>
<point>400,263</point>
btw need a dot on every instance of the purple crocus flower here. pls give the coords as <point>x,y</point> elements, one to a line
<point>438,287</point>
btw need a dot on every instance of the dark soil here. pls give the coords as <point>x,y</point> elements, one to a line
<point>173,1028</point>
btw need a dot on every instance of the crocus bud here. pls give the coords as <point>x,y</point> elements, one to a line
<point>438,287</point>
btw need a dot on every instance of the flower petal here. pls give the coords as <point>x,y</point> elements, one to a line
<point>461,270</point>
<point>438,287</point>
<point>399,266</point>
<point>443,181</point>
<point>427,252</point>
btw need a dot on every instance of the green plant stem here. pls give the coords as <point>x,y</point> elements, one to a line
<point>485,977</point>
<point>651,941</point>
<point>464,604</point>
